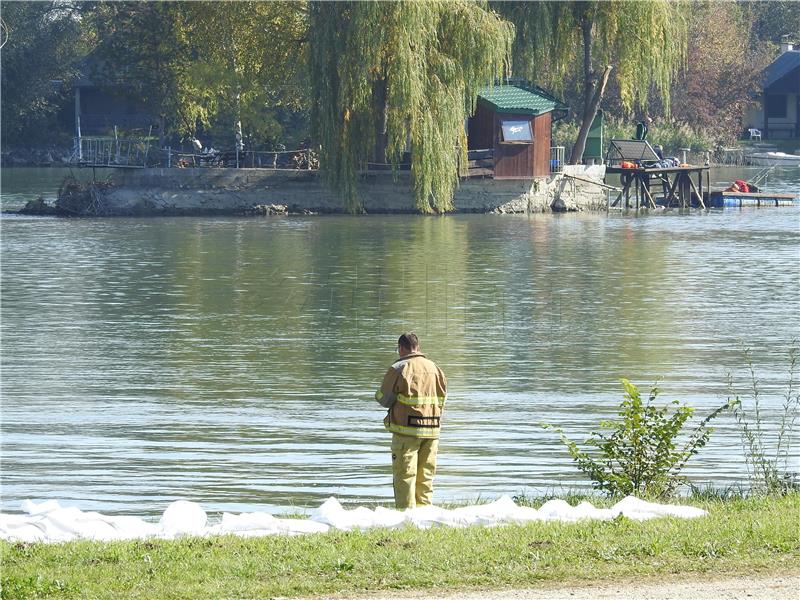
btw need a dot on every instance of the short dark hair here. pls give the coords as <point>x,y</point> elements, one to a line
<point>408,340</point>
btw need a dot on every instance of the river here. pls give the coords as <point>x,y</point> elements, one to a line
<point>232,361</point>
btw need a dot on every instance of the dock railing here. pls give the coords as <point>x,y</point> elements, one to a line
<point>111,152</point>
<point>301,159</point>
<point>556,159</point>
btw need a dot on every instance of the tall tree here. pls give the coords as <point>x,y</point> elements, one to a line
<point>770,21</point>
<point>643,41</point>
<point>390,74</point>
<point>249,59</point>
<point>42,44</point>
<point>724,73</point>
<point>140,46</point>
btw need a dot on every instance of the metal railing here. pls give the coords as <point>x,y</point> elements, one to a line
<point>304,158</point>
<point>556,159</point>
<point>110,152</point>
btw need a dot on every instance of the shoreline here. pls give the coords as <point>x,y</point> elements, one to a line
<point>260,192</point>
<point>738,536</point>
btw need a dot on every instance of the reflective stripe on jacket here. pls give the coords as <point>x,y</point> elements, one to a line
<point>414,390</point>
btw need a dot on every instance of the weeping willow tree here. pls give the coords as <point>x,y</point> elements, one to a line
<point>643,40</point>
<point>388,76</point>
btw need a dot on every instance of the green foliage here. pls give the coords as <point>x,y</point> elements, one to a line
<point>641,454</point>
<point>640,45</point>
<point>670,135</point>
<point>772,20</point>
<point>394,73</point>
<point>199,64</point>
<point>645,42</point>
<point>766,446</point>
<point>140,51</point>
<point>673,136</point>
<point>249,63</point>
<point>38,65</point>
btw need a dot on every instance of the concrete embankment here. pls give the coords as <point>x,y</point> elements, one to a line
<point>267,191</point>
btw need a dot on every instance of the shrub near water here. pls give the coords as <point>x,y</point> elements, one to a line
<point>640,455</point>
<point>671,136</point>
<point>767,461</point>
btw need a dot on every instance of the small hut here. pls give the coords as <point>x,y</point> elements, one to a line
<point>514,122</point>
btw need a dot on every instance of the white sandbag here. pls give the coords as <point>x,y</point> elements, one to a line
<point>634,508</point>
<point>22,528</point>
<point>183,518</point>
<point>502,510</point>
<point>332,513</point>
<point>32,508</point>
<point>261,523</point>
<point>49,522</point>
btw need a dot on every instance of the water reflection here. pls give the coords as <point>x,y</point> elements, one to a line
<point>232,361</point>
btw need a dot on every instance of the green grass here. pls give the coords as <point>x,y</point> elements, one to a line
<point>740,535</point>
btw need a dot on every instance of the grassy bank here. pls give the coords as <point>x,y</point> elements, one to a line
<point>739,536</point>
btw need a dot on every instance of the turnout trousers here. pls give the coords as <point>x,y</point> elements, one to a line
<point>413,468</point>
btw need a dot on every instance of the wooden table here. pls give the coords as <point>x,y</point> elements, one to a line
<point>677,186</point>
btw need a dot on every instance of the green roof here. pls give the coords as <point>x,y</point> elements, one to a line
<point>520,99</point>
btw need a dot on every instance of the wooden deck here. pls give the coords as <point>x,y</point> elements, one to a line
<point>640,187</point>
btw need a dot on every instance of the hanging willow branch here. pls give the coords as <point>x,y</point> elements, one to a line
<point>645,41</point>
<point>401,73</point>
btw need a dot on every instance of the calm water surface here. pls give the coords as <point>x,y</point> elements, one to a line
<point>232,361</point>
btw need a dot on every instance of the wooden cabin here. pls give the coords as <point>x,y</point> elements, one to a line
<point>515,121</point>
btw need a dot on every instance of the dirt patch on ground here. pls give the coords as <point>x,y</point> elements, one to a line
<point>757,587</point>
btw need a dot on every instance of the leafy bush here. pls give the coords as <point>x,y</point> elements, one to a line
<point>640,454</point>
<point>767,463</point>
<point>672,136</point>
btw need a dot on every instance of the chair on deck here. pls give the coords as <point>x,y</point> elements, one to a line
<point>755,134</point>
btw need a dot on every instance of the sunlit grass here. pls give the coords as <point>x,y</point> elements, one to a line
<point>758,534</point>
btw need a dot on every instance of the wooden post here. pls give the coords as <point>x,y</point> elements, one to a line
<point>699,195</point>
<point>78,122</point>
<point>628,194</point>
<point>647,194</point>
<point>673,189</point>
<point>686,192</point>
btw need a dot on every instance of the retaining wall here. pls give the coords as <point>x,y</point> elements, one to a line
<point>231,191</point>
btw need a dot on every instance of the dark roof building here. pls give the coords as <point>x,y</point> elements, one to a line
<point>780,102</point>
<point>783,74</point>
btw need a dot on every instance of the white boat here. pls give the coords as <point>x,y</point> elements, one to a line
<point>768,159</point>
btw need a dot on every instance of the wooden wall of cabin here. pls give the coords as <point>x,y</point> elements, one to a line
<point>512,160</point>
<point>516,159</point>
<point>481,128</point>
<point>542,136</point>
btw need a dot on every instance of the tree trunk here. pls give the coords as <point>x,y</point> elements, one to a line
<point>162,135</point>
<point>588,118</point>
<point>588,73</point>
<point>379,93</point>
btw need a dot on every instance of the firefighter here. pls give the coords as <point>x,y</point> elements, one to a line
<point>414,390</point>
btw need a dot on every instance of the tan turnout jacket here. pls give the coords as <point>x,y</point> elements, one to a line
<point>414,390</point>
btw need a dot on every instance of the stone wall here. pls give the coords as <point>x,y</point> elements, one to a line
<point>230,191</point>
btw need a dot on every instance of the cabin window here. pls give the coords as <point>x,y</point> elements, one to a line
<point>776,107</point>
<point>516,131</point>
